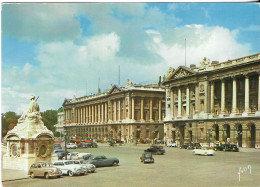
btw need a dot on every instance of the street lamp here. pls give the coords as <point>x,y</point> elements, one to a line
<point>65,134</point>
<point>210,134</point>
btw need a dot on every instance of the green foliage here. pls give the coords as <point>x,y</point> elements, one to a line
<point>60,109</point>
<point>49,118</point>
<point>57,134</point>
<point>9,120</point>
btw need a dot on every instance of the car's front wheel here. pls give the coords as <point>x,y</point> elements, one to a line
<point>32,175</point>
<point>115,163</point>
<point>47,176</point>
<point>70,173</point>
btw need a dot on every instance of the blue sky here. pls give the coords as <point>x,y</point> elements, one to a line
<point>59,50</point>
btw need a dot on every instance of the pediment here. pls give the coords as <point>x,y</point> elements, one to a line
<point>180,72</point>
<point>115,89</point>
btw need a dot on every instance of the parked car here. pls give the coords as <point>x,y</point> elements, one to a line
<point>84,156</point>
<point>171,144</point>
<point>219,147</point>
<point>92,145</point>
<point>196,145</point>
<point>230,147</point>
<point>72,156</point>
<point>69,168</point>
<point>71,146</point>
<point>90,168</point>
<point>147,158</point>
<point>57,146</point>
<point>156,149</point>
<point>44,169</point>
<point>203,151</point>
<point>185,146</point>
<point>82,145</point>
<point>101,161</point>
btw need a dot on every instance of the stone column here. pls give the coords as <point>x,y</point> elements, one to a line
<point>245,113</point>
<point>99,115</point>
<point>206,97</point>
<point>115,110</point>
<point>151,109</point>
<point>172,105</point>
<point>223,96</point>
<point>133,108</point>
<point>212,98</point>
<point>160,110</point>
<point>106,114</point>
<point>234,97</point>
<point>102,112</point>
<point>258,109</point>
<point>87,114</point>
<point>119,111</point>
<point>188,101</point>
<point>244,135</point>
<point>142,109</point>
<point>129,109</point>
<point>179,102</point>
<point>197,101</point>
<point>93,114</point>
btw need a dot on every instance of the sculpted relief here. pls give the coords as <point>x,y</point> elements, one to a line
<point>181,73</point>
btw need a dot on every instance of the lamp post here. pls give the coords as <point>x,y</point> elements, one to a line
<point>210,134</point>
<point>65,134</point>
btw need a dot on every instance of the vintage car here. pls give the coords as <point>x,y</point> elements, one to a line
<point>147,158</point>
<point>82,145</point>
<point>90,168</point>
<point>69,168</point>
<point>44,169</point>
<point>170,144</point>
<point>230,147</point>
<point>101,161</point>
<point>185,146</point>
<point>195,145</point>
<point>156,149</point>
<point>203,151</point>
<point>84,156</point>
<point>219,147</point>
<point>92,145</point>
<point>71,156</point>
<point>71,146</point>
<point>57,146</point>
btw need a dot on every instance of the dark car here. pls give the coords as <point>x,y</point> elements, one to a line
<point>230,147</point>
<point>92,145</point>
<point>147,158</point>
<point>82,145</point>
<point>196,145</point>
<point>219,147</point>
<point>101,161</point>
<point>185,146</point>
<point>156,149</point>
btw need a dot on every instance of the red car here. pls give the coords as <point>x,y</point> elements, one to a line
<point>58,141</point>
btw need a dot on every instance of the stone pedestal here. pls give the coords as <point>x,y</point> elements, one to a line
<point>30,141</point>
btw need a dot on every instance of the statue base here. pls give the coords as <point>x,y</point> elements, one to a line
<point>29,142</point>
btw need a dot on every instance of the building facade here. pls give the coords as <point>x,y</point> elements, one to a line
<point>214,102</point>
<point>133,112</point>
<point>60,124</point>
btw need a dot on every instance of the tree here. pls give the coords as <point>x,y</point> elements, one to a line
<point>60,109</point>
<point>49,118</point>
<point>8,118</point>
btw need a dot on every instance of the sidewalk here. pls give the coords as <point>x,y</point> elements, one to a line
<point>11,174</point>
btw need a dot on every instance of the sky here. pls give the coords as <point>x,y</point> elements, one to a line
<point>60,50</point>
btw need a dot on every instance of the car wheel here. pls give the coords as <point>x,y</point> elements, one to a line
<point>115,163</point>
<point>47,176</point>
<point>70,173</point>
<point>32,175</point>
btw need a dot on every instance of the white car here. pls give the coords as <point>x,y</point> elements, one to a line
<point>69,168</point>
<point>203,151</point>
<point>171,145</point>
<point>90,168</point>
<point>71,146</point>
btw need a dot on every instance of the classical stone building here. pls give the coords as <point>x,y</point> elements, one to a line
<point>133,112</point>
<point>60,124</point>
<point>214,102</point>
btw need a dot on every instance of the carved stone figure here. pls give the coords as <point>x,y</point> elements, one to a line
<point>33,108</point>
<point>205,62</point>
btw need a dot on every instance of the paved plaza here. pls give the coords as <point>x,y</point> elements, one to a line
<point>177,167</point>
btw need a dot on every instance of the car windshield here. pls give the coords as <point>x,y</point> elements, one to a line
<point>147,155</point>
<point>76,162</point>
<point>69,162</point>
